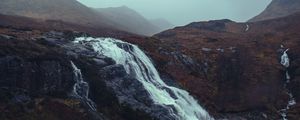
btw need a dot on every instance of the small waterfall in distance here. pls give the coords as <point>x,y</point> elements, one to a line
<point>285,61</point>
<point>179,103</point>
<point>81,88</point>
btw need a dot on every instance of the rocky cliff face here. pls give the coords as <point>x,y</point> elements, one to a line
<point>37,81</point>
<point>278,8</point>
<point>45,75</point>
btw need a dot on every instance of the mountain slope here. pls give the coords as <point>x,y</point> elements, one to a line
<point>162,24</point>
<point>278,8</point>
<point>46,25</point>
<point>74,12</point>
<point>65,10</point>
<point>130,19</point>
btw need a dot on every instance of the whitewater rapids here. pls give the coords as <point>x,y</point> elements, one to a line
<point>179,103</point>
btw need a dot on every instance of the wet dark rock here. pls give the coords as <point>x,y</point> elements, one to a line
<point>36,76</point>
<point>295,75</point>
<point>29,74</point>
<point>114,71</point>
<point>297,72</point>
<point>131,93</point>
<point>100,62</point>
<point>293,113</point>
<point>21,99</point>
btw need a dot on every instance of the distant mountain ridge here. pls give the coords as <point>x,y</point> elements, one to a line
<point>130,19</point>
<point>119,18</point>
<point>278,8</point>
<point>66,10</point>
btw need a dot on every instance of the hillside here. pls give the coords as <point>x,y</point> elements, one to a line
<point>26,23</point>
<point>234,68</point>
<point>278,8</point>
<point>74,12</point>
<point>65,10</point>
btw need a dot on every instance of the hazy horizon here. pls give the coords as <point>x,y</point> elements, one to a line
<point>181,12</point>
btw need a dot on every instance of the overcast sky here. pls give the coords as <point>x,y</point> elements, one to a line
<point>181,12</point>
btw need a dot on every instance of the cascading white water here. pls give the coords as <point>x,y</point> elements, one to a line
<point>81,88</point>
<point>247,27</point>
<point>285,61</point>
<point>136,63</point>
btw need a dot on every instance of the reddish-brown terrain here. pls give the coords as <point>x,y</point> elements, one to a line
<point>233,69</point>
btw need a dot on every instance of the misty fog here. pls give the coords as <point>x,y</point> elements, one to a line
<point>180,12</point>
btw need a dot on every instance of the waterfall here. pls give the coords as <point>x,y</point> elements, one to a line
<point>179,103</point>
<point>286,63</point>
<point>81,88</point>
<point>247,27</point>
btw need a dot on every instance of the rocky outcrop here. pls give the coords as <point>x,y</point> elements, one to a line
<point>53,77</point>
<point>132,95</point>
<point>37,81</point>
